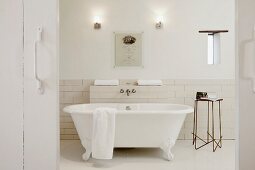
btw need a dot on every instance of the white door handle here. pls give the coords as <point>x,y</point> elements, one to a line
<point>39,83</point>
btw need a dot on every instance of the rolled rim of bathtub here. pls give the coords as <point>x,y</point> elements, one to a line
<point>173,108</point>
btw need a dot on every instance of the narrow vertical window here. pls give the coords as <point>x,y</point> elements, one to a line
<point>213,49</point>
<point>210,59</point>
<point>216,49</point>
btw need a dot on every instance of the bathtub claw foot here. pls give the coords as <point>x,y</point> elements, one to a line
<point>166,147</point>
<point>86,155</point>
<point>86,143</point>
<point>169,156</point>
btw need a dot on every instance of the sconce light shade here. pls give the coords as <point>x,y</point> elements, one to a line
<point>97,25</point>
<point>97,22</point>
<point>159,25</point>
<point>159,22</point>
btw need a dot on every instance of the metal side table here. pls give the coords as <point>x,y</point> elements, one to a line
<point>210,135</point>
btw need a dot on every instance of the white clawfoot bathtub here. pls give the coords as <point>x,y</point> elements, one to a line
<point>149,125</point>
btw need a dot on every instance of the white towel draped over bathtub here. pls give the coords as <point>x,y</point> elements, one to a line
<point>103,133</point>
<point>149,82</point>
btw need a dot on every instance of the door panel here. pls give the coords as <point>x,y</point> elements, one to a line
<point>41,110</point>
<point>246,36</point>
<point>11,84</point>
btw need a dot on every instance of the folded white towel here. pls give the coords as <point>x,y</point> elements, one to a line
<point>103,133</point>
<point>106,82</point>
<point>149,82</point>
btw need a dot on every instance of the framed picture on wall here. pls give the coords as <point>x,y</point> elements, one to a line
<point>128,50</point>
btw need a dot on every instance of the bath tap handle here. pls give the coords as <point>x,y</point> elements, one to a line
<point>133,91</point>
<point>128,92</point>
<point>121,91</point>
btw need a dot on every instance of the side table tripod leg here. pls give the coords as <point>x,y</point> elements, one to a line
<point>213,138</point>
<point>196,126</point>
<point>208,121</point>
<point>194,119</point>
<point>220,125</point>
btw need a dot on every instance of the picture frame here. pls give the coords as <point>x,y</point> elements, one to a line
<point>128,49</point>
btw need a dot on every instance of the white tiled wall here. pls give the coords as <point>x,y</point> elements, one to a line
<point>178,91</point>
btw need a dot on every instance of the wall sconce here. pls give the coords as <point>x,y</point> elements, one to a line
<point>97,23</point>
<point>159,22</point>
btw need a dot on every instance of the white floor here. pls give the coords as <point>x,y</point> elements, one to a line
<point>186,158</point>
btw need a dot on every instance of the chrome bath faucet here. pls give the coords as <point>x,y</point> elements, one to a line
<point>128,91</point>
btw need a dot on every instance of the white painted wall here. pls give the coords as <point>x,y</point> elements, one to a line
<point>246,16</point>
<point>175,52</point>
<point>41,145</point>
<point>11,85</point>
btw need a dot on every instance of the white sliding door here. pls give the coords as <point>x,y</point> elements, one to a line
<point>11,84</point>
<point>246,42</point>
<point>41,110</point>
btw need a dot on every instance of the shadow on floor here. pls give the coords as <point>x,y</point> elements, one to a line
<point>72,151</point>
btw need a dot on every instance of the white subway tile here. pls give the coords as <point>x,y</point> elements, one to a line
<point>78,88</point>
<point>65,88</point>
<point>118,100</point>
<point>167,100</point>
<point>76,137</point>
<point>179,90</point>
<point>180,82</point>
<point>168,82</point>
<point>66,125</point>
<point>67,119</point>
<point>61,95</point>
<point>204,81</point>
<point>66,100</point>
<point>80,99</point>
<point>70,132</point>
<point>228,91</point>
<point>86,94</point>
<point>72,94</point>
<point>66,137</point>
<point>203,88</point>
<point>62,131</point>
<point>189,101</point>
<point>87,84</point>
<point>61,82</point>
<point>62,113</point>
<point>178,100</point>
<point>73,82</point>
